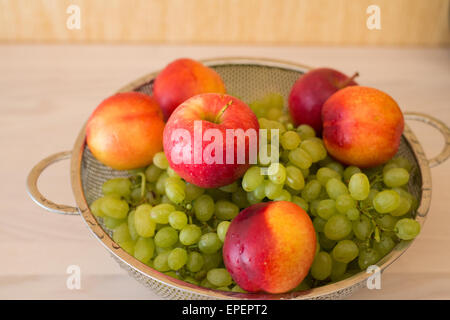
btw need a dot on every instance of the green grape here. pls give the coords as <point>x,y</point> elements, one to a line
<point>95,208</point>
<point>233,187</point>
<point>209,243</point>
<point>240,198</point>
<point>368,202</point>
<point>385,245</point>
<point>128,246</point>
<point>193,192</point>
<point>387,222</point>
<point>314,147</point>
<point>407,229</point>
<point>326,208</point>
<point>325,243</point>
<point>172,173</point>
<point>218,194</point>
<point>284,196</point>
<point>144,224</point>
<point>313,207</point>
<point>345,251</point>
<point>260,192</point>
<point>362,228</point>
<point>161,183</point>
<point>300,202</point>
<point>294,178</point>
<point>352,214</point>
<point>206,284</point>
<point>335,188</point>
<point>284,156</point>
<point>275,100</point>
<point>266,159</point>
<point>403,163</point>
<point>344,203</point>
<point>178,220</point>
<point>191,280</point>
<point>386,201</point>
<point>161,263</point>
<point>226,288</point>
<point>236,288</point>
<point>272,190</point>
<point>388,166</point>
<point>322,265</point>
<point>305,172</point>
<point>112,223</point>
<point>252,199</point>
<point>119,186</point>
<point>160,160</point>
<point>277,173</point>
<point>144,249</point>
<point>132,225</point>
<point>403,207</point>
<point>177,258</point>
<point>114,208</point>
<point>121,233</point>
<point>290,140</point>
<point>160,213</point>
<point>204,207</point>
<point>174,189</point>
<point>395,177</point>
<point>166,237</point>
<point>222,229</point>
<point>152,173</point>
<point>300,158</point>
<point>136,194</point>
<point>337,227</point>
<point>312,190</point>
<point>194,262</point>
<point>359,186</point>
<point>319,224</point>
<point>219,277</point>
<point>190,234</point>
<point>274,114</point>
<point>325,174</point>
<point>349,172</point>
<point>226,210</point>
<point>338,270</point>
<point>336,166</point>
<point>368,257</point>
<point>212,261</point>
<point>252,179</point>
<point>305,131</point>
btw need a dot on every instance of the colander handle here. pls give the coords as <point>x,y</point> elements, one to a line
<point>443,129</point>
<point>34,193</point>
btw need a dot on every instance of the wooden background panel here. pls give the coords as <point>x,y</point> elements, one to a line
<point>403,22</point>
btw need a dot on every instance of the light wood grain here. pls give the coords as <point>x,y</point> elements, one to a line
<point>403,22</point>
<point>48,92</point>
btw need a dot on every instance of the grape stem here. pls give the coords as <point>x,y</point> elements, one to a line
<point>142,184</point>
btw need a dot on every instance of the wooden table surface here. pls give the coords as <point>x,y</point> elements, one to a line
<point>47,92</point>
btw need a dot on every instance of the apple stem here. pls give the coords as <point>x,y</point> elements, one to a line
<point>346,82</point>
<point>222,111</point>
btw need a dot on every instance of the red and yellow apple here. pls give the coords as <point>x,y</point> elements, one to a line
<point>270,247</point>
<point>309,93</point>
<point>125,131</point>
<point>182,79</point>
<point>362,126</point>
<point>196,144</point>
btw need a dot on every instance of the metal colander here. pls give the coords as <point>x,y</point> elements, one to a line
<point>248,79</point>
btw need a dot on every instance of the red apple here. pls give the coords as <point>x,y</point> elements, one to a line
<point>125,131</point>
<point>270,247</point>
<point>309,93</point>
<point>200,159</point>
<point>182,79</point>
<point>362,126</point>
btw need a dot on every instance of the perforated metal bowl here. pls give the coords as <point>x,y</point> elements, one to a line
<point>249,79</point>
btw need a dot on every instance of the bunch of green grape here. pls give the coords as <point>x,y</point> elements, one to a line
<point>178,228</point>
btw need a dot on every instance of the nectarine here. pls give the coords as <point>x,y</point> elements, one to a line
<point>270,247</point>
<point>125,131</point>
